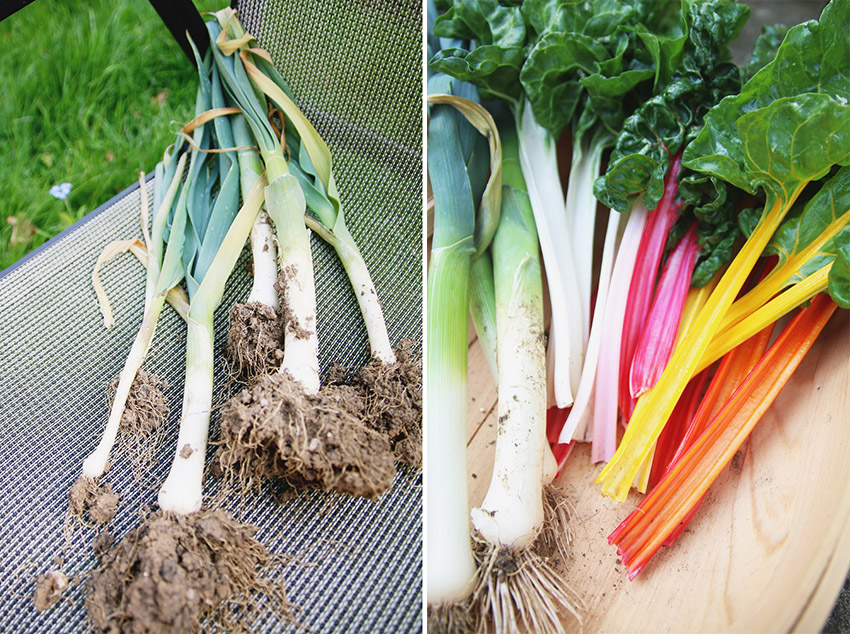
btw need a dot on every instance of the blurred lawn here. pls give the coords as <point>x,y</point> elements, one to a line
<point>92,92</point>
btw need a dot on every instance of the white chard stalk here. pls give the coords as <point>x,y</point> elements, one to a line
<point>581,215</point>
<point>579,423</point>
<point>540,168</point>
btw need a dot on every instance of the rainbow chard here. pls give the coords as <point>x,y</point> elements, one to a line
<point>782,134</point>
<point>692,74</point>
<point>656,343</point>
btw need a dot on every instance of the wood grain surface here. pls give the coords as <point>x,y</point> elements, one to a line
<point>769,548</point>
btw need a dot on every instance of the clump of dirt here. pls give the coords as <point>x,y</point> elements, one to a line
<point>274,431</point>
<point>173,572</point>
<point>254,340</point>
<point>49,588</point>
<point>391,396</point>
<point>90,502</point>
<point>142,424</point>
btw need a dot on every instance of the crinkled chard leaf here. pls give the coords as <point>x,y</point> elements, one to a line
<point>493,69</point>
<point>765,48</point>
<point>561,16</point>
<point>690,78</point>
<point>813,58</point>
<point>486,21</point>
<point>551,75</point>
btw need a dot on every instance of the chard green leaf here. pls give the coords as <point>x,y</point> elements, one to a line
<point>608,16</point>
<point>486,21</point>
<point>561,16</point>
<point>717,246</point>
<point>708,201</point>
<point>691,76</point>
<point>665,52</point>
<point>607,94</point>
<point>828,212</point>
<point>712,26</point>
<point>748,220</point>
<point>813,58</point>
<point>551,74</point>
<point>792,141</point>
<point>765,48</point>
<point>493,69</point>
<point>839,277</point>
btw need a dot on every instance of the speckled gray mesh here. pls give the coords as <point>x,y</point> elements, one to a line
<point>353,566</point>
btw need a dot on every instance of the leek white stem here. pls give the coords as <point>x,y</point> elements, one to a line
<point>451,567</point>
<point>286,205</point>
<point>183,488</point>
<point>95,464</point>
<point>264,253</point>
<point>512,511</point>
<point>364,290</point>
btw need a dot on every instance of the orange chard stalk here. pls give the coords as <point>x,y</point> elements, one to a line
<point>666,506</point>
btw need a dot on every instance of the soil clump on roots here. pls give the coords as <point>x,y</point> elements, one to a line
<point>90,502</point>
<point>254,341</point>
<point>143,422</point>
<point>173,572</point>
<point>391,398</point>
<point>275,432</point>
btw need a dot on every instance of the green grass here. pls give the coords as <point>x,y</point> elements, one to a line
<point>92,93</point>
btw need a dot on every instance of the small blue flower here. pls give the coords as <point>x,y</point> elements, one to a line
<point>61,191</point>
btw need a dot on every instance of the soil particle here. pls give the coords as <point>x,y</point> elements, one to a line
<point>274,432</point>
<point>254,340</point>
<point>48,589</point>
<point>91,501</point>
<point>186,451</point>
<point>173,572</point>
<point>391,397</point>
<point>102,542</point>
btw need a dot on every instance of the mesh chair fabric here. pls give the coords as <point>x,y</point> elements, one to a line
<point>355,566</point>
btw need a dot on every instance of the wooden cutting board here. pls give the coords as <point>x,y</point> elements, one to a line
<point>770,546</point>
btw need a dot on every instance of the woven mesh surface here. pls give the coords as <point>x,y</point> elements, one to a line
<point>355,566</point>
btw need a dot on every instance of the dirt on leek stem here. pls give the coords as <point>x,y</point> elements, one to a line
<point>666,506</point>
